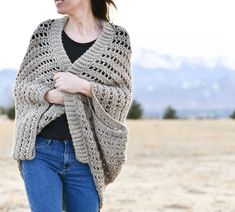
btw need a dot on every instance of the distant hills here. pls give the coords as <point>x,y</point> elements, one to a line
<point>7,77</point>
<point>193,90</point>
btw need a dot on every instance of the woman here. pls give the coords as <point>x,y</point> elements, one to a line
<point>72,95</point>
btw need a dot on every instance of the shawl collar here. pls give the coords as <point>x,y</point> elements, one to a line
<point>91,54</point>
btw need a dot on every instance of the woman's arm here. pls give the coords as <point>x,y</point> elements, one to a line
<point>68,82</point>
<point>54,96</point>
<point>29,91</point>
<point>25,87</point>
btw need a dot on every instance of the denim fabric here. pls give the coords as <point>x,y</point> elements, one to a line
<point>55,174</point>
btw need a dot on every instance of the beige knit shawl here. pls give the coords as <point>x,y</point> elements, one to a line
<point>97,124</point>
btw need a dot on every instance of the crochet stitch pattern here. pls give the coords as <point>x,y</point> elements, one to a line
<point>97,124</point>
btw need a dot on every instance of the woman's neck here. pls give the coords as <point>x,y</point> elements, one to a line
<point>83,26</point>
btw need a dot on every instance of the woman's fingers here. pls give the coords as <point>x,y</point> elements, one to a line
<point>57,84</point>
<point>55,76</point>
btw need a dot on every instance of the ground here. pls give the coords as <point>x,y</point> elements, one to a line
<point>172,166</point>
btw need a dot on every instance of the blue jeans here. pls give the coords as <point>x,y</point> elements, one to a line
<point>55,174</point>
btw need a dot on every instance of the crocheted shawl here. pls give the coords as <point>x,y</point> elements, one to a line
<point>97,124</point>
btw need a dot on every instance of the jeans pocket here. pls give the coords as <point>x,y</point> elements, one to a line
<point>42,142</point>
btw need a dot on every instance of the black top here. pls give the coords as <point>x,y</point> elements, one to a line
<point>58,128</point>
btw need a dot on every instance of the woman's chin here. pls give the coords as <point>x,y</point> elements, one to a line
<point>59,11</point>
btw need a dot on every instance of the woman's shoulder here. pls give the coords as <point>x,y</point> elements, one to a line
<point>120,30</point>
<point>44,24</point>
<point>41,29</point>
<point>122,34</point>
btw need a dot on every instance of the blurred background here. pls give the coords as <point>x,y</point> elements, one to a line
<point>181,150</point>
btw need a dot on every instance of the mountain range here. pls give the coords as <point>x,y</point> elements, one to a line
<point>193,90</point>
<point>7,78</point>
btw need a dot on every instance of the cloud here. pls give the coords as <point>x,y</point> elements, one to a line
<point>151,59</point>
<point>188,84</point>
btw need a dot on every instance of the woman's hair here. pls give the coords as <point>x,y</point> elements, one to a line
<point>100,8</point>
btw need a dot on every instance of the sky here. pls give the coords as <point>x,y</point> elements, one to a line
<point>164,33</point>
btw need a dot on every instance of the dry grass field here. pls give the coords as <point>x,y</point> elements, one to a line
<point>172,166</point>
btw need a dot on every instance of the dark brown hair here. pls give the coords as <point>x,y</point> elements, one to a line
<point>100,8</point>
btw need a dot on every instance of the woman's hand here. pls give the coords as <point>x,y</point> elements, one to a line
<point>68,82</point>
<point>54,96</point>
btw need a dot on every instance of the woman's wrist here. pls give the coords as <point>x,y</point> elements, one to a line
<point>87,89</point>
<point>46,96</point>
